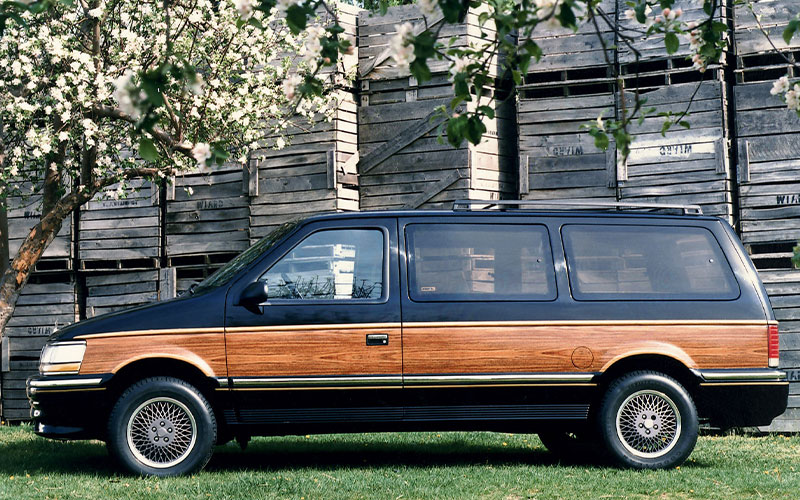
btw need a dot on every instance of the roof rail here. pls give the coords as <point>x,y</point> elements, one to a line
<point>567,204</point>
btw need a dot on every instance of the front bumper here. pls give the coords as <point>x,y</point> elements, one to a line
<point>742,398</point>
<point>69,407</point>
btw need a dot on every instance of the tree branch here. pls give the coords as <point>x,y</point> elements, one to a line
<point>160,135</point>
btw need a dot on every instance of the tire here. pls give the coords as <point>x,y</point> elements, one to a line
<point>570,445</point>
<point>162,426</point>
<point>648,421</point>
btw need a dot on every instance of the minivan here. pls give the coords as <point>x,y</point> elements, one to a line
<point>613,327</point>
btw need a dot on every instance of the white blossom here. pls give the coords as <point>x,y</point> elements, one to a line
<point>201,152</point>
<point>245,8</point>
<point>460,65</point>
<point>401,46</point>
<point>125,94</point>
<point>780,85</point>
<point>428,7</point>
<point>290,84</point>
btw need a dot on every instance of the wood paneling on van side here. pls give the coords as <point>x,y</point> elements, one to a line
<point>461,348</point>
<point>333,351</point>
<point>204,351</point>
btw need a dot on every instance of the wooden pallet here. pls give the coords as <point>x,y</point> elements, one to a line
<point>109,292</point>
<point>558,157</point>
<point>47,302</point>
<point>774,15</point>
<point>121,233</point>
<point>686,165</point>
<point>212,218</point>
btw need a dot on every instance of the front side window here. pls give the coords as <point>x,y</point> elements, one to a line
<point>482,262</point>
<point>607,262</point>
<point>334,264</point>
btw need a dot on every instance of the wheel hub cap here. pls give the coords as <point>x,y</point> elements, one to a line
<point>161,432</point>
<point>648,424</point>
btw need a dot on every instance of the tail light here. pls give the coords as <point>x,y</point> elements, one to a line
<point>772,346</point>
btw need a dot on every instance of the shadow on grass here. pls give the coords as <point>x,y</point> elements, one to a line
<point>276,455</point>
<point>45,456</point>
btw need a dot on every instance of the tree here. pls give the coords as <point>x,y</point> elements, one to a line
<point>95,93</point>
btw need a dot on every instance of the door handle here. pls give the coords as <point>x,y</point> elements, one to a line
<point>378,339</point>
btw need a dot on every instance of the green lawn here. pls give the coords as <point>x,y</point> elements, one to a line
<point>387,466</point>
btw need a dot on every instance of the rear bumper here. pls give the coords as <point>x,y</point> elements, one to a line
<point>742,398</point>
<point>69,407</point>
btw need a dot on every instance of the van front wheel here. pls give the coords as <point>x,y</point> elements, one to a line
<point>648,421</point>
<point>162,426</point>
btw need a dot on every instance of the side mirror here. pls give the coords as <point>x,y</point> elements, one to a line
<point>254,294</point>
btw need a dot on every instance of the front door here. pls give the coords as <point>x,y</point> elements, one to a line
<point>326,346</point>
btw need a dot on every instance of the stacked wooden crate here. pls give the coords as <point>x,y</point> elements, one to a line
<point>402,164</point>
<point>47,302</point>
<point>110,292</point>
<point>570,86</point>
<point>684,165</point>
<point>23,214</point>
<point>768,150</point>
<point>121,228</point>
<point>315,171</point>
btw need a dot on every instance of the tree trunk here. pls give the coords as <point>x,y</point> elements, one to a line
<point>29,253</point>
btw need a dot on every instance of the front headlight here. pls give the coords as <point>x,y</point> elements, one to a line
<point>62,358</point>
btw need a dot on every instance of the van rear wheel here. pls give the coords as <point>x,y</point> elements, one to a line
<point>162,426</point>
<point>648,421</point>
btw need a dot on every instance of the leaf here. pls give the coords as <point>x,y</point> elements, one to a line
<point>601,140</point>
<point>296,19</point>
<point>796,256</point>
<point>685,124</point>
<point>665,127</point>
<point>566,17</point>
<point>475,129</point>
<point>488,111</point>
<point>420,70</point>
<point>671,42</point>
<point>148,150</point>
<point>790,30</point>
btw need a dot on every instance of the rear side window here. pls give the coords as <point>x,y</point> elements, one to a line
<point>607,262</point>
<point>479,262</point>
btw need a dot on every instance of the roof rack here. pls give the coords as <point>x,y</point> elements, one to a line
<point>567,204</point>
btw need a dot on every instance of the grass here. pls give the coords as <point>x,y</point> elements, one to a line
<point>453,465</point>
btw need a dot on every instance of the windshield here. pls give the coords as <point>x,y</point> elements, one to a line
<point>224,274</point>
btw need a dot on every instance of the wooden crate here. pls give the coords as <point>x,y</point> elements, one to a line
<point>47,302</point>
<point>652,47</point>
<point>402,164</point>
<point>122,233</point>
<point>315,173</point>
<point>558,158</point>
<point>783,287</point>
<point>23,214</point>
<point>565,49</point>
<point>109,292</point>
<point>207,212</point>
<point>14,404</point>
<point>768,149</point>
<point>686,166</point>
<point>774,17</point>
